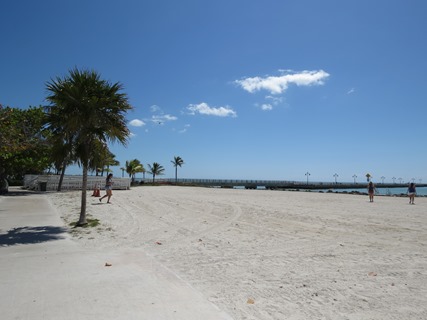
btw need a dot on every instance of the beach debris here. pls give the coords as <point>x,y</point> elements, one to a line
<point>200,240</point>
<point>159,243</point>
<point>250,301</point>
<point>107,264</point>
<point>372,274</point>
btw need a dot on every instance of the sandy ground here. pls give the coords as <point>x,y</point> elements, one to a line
<point>260,254</point>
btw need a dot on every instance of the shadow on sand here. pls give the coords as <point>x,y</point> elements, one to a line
<point>32,235</point>
<point>15,192</point>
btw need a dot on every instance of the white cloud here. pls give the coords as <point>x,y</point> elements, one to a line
<point>160,119</point>
<point>185,129</point>
<point>136,123</point>
<point>279,84</point>
<point>155,108</point>
<point>352,90</point>
<point>266,107</point>
<point>204,108</point>
<point>274,99</point>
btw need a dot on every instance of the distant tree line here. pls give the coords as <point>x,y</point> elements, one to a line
<point>135,166</point>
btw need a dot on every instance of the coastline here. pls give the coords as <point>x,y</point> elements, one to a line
<point>272,255</point>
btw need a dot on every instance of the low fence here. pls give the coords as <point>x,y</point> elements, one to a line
<point>50,182</point>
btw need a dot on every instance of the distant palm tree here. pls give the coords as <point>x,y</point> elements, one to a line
<point>156,170</point>
<point>61,155</point>
<point>177,162</point>
<point>133,167</point>
<point>87,110</point>
<point>123,171</point>
<point>110,161</point>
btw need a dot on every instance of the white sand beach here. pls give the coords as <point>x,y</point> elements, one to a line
<point>260,254</point>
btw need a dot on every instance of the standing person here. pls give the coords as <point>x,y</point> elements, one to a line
<point>412,191</point>
<point>108,188</point>
<point>371,191</point>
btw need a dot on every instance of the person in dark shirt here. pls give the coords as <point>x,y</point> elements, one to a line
<point>412,191</point>
<point>108,188</point>
<point>371,191</point>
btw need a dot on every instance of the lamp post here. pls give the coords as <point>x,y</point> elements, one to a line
<point>335,176</point>
<point>354,177</point>
<point>307,174</point>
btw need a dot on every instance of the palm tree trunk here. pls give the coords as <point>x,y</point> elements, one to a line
<point>61,178</point>
<point>82,219</point>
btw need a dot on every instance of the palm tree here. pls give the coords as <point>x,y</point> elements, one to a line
<point>110,160</point>
<point>61,155</point>
<point>133,167</point>
<point>88,110</point>
<point>177,162</point>
<point>100,153</point>
<point>156,170</point>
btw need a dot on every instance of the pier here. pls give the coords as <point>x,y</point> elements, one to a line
<point>276,184</point>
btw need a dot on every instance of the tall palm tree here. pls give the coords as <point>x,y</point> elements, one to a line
<point>177,162</point>
<point>156,170</point>
<point>89,110</point>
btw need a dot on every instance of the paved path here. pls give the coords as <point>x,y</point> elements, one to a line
<point>44,274</point>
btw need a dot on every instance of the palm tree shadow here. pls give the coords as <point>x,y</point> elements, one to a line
<point>32,235</point>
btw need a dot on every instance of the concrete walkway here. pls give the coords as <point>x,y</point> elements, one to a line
<point>44,274</point>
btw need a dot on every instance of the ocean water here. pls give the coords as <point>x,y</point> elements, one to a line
<point>421,191</point>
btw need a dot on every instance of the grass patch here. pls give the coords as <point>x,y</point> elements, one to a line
<point>91,223</point>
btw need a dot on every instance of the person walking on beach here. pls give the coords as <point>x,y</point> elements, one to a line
<point>371,191</point>
<point>412,191</point>
<point>108,188</point>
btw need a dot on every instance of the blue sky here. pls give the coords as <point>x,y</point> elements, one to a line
<point>240,89</point>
